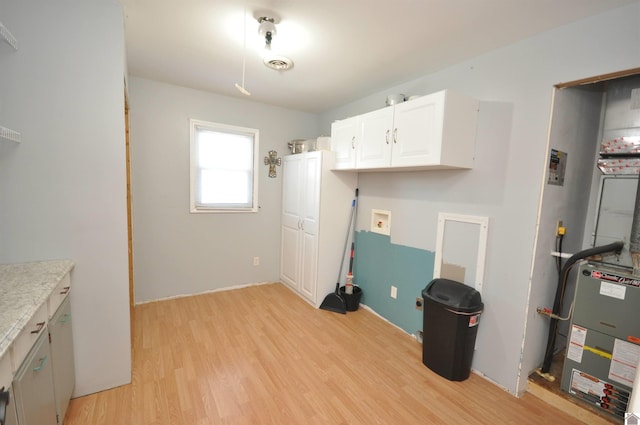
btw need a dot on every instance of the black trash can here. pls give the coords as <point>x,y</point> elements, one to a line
<point>351,300</point>
<point>451,314</point>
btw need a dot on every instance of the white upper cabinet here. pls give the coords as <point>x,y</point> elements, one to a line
<point>436,131</point>
<point>344,135</point>
<point>376,139</point>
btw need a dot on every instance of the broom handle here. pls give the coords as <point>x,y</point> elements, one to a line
<point>351,259</point>
<point>346,241</point>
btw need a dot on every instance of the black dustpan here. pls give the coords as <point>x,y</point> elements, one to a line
<point>334,301</point>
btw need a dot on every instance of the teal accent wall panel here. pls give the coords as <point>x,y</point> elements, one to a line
<point>379,264</point>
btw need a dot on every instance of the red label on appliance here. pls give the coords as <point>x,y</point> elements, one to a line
<point>597,274</point>
<point>633,339</point>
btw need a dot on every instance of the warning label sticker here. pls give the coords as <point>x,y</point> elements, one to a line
<point>586,384</point>
<point>624,362</point>
<point>612,290</point>
<point>576,343</point>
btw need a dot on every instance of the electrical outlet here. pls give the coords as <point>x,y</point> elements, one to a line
<point>394,292</point>
<point>256,261</point>
<point>419,303</point>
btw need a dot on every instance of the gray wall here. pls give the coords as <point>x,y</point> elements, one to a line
<point>575,128</point>
<point>521,76</point>
<point>63,189</point>
<point>178,253</point>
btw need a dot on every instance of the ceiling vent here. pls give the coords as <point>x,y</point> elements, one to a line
<point>279,63</point>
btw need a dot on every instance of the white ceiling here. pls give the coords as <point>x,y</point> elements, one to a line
<point>342,49</point>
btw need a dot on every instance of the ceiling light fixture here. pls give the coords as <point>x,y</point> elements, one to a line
<point>267,29</point>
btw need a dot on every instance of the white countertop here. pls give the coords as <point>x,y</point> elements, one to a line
<point>24,287</point>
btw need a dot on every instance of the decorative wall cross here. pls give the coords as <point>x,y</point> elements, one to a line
<point>272,160</point>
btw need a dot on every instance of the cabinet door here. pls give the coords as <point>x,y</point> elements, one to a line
<point>376,135</point>
<point>344,135</point>
<point>291,220</point>
<point>33,386</point>
<point>418,131</point>
<point>310,224</point>
<point>62,356</point>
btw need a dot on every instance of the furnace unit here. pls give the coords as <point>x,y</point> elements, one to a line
<point>603,351</point>
<point>604,336</point>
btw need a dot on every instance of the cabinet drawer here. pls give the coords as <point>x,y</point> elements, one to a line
<point>28,336</point>
<point>6,371</point>
<point>58,295</point>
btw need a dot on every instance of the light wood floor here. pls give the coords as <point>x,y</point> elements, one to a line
<point>261,355</point>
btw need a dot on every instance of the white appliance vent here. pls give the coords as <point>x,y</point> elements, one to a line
<point>279,63</point>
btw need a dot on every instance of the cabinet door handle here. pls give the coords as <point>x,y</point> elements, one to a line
<point>65,318</point>
<point>65,290</point>
<point>302,225</point>
<point>386,136</point>
<point>43,360</point>
<point>395,135</point>
<point>353,142</point>
<point>39,327</point>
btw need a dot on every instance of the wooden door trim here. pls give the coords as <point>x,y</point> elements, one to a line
<point>599,78</point>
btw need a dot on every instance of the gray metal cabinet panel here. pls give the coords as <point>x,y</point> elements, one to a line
<point>604,305</point>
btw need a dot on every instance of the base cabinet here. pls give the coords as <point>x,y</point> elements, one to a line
<point>62,357</point>
<point>316,209</point>
<point>33,386</point>
<point>39,368</point>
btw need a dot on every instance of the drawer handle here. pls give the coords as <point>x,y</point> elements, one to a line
<point>43,360</point>
<point>39,325</point>
<point>65,318</point>
<point>65,290</point>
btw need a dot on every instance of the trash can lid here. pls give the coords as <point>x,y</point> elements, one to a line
<point>452,294</point>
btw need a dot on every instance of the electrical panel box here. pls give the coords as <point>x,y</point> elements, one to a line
<point>604,340</point>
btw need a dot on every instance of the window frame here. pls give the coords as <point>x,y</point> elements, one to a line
<point>194,125</point>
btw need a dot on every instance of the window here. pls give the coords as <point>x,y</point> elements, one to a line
<point>224,160</point>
